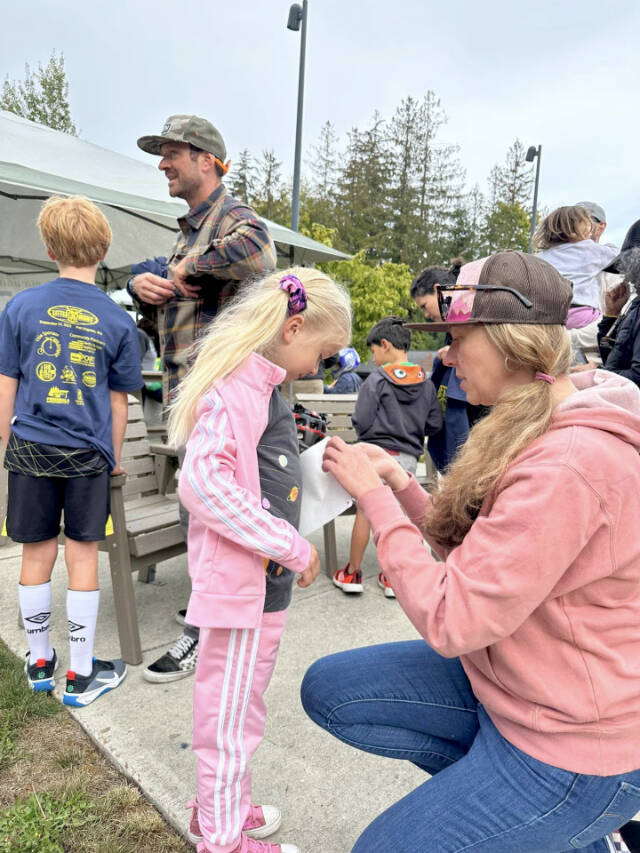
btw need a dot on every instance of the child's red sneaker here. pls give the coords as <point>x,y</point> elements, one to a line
<point>348,581</point>
<point>384,584</point>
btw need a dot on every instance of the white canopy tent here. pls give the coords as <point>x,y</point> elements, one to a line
<point>36,162</point>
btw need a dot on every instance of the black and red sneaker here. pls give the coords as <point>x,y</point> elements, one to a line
<point>40,674</point>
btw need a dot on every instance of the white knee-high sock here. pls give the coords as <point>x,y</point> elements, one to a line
<point>35,607</point>
<point>82,613</point>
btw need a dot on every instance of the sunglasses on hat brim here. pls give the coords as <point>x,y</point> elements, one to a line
<point>455,301</point>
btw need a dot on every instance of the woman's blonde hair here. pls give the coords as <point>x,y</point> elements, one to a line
<point>564,225</point>
<point>520,415</point>
<point>252,322</point>
<point>74,230</point>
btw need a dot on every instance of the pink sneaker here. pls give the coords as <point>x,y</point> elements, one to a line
<point>250,845</point>
<point>261,822</point>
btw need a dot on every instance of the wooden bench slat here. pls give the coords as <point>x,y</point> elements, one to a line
<point>150,523</point>
<point>139,465</point>
<point>340,421</point>
<point>140,485</point>
<point>150,543</point>
<point>137,429</point>
<point>148,506</point>
<point>131,449</point>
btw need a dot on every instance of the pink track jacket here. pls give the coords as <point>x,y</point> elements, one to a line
<point>230,533</point>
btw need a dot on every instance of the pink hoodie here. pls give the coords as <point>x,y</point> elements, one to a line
<point>230,533</point>
<point>541,600</point>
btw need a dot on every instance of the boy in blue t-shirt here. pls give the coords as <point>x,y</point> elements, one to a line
<point>68,357</point>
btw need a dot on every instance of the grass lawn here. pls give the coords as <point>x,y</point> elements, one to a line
<point>57,792</point>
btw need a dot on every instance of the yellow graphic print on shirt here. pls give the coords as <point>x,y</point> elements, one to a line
<point>58,395</point>
<point>83,345</point>
<point>72,316</point>
<point>49,344</point>
<point>46,371</point>
<point>68,375</point>
<point>293,494</point>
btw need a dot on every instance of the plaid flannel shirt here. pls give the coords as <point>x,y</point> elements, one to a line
<point>224,243</point>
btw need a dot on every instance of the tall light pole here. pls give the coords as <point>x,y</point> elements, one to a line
<point>532,153</point>
<point>298,16</point>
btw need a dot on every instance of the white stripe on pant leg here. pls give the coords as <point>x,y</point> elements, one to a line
<point>225,836</point>
<point>243,753</point>
<point>220,735</point>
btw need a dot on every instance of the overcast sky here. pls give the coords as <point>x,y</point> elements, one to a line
<point>561,75</point>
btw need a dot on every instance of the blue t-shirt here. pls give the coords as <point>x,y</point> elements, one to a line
<point>68,345</point>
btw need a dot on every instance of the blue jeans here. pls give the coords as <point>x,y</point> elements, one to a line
<point>402,700</point>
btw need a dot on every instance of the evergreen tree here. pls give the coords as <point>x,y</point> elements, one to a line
<point>439,186</point>
<point>42,96</point>
<point>516,177</point>
<point>507,220</point>
<point>324,165</point>
<point>362,194</point>
<point>317,198</point>
<point>242,179</point>
<point>404,143</point>
<point>272,199</point>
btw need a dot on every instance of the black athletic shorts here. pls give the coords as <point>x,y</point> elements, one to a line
<point>35,505</point>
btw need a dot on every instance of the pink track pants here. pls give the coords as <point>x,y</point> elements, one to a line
<point>233,671</point>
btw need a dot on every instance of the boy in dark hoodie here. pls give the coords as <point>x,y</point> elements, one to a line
<point>397,407</point>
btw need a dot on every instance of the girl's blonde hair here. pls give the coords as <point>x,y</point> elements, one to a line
<point>564,225</point>
<point>521,415</point>
<point>252,322</point>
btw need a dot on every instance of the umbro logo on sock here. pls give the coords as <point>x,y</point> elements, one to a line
<point>39,618</point>
<point>73,627</point>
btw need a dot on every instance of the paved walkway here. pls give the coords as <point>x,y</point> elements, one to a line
<point>327,791</point>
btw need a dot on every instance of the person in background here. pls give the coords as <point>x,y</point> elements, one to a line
<point>619,332</point>
<point>459,415</point>
<point>68,357</point>
<point>564,239</point>
<point>521,699</point>
<point>396,408</point>
<point>150,360</point>
<point>342,367</point>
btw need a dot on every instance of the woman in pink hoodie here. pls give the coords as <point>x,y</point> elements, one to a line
<point>524,701</point>
<point>240,482</point>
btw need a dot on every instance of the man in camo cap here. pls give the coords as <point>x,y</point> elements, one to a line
<point>221,242</point>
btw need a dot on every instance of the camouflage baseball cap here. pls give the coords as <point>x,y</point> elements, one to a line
<point>193,130</point>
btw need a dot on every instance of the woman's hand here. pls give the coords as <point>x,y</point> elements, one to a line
<point>351,466</point>
<point>386,466</point>
<point>313,569</point>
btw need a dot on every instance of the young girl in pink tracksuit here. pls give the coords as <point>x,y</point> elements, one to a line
<point>240,483</point>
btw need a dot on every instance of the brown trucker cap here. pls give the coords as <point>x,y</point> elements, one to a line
<point>536,280</point>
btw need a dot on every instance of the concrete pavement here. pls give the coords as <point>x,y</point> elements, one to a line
<point>327,791</point>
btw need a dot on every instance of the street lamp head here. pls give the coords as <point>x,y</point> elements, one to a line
<point>531,154</point>
<point>295,17</point>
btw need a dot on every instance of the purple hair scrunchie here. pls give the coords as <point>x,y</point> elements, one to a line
<point>292,285</point>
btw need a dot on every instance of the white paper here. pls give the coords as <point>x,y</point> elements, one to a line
<point>323,498</point>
